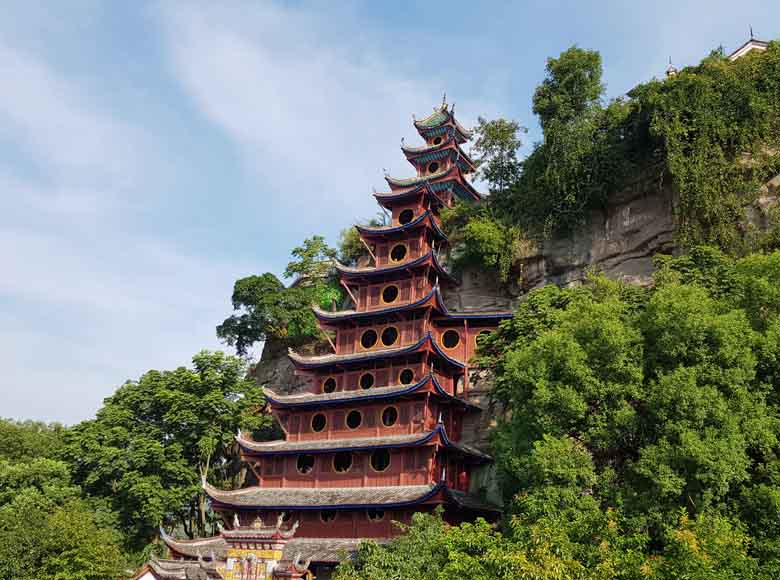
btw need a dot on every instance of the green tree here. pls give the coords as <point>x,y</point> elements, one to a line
<point>155,438</point>
<point>24,440</point>
<point>495,152</point>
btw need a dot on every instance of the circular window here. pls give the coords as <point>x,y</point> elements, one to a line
<point>366,381</point>
<point>406,376</point>
<point>305,464</point>
<point>368,338</point>
<point>389,336</point>
<point>375,515</point>
<point>329,385</point>
<point>389,416</point>
<point>380,459</point>
<point>328,515</point>
<point>286,516</point>
<point>354,419</point>
<point>405,216</point>
<point>450,339</point>
<point>398,252</point>
<point>318,422</point>
<point>390,294</point>
<point>342,462</point>
<point>437,141</point>
<point>433,167</point>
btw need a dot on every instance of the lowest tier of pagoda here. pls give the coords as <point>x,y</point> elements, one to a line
<point>376,436</point>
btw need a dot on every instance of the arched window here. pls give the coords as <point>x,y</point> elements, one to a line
<point>354,419</point>
<point>305,464</point>
<point>380,460</point>
<point>342,462</point>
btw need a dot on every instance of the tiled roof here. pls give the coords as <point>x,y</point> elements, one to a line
<point>183,570</point>
<point>201,546</point>
<point>438,117</point>
<point>326,315</point>
<point>330,445</point>
<point>440,179</point>
<point>383,353</point>
<point>384,230</point>
<point>471,502</point>
<point>304,498</point>
<point>353,272</point>
<point>303,400</point>
<point>300,399</point>
<point>324,550</point>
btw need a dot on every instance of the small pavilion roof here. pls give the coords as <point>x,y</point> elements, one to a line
<point>204,547</point>
<point>441,118</point>
<point>370,271</point>
<point>749,46</point>
<point>425,218</point>
<point>427,341</point>
<point>308,498</point>
<point>318,446</point>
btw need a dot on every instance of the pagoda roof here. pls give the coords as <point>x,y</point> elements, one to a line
<point>317,400</point>
<point>319,446</point>
<point>439,121</point>
<point>447,148</point>
<point>425,218</point>
<point>427,341</point>
<point>308,498</point>
<point>433,298</point>
<point>199,547</point>
<point>369,271</point>
<point>389,197</point>
<point>749,46</point>
<point>323,550</point>
<point>449,178</point>
<point>180,570</point>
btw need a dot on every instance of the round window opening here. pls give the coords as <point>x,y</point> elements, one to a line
<point>389,416</point>
<point>366,381</point>
<point>318,422</point>
<point>354,419</point>
<point>433,167</point>
<point>450,339</point>
<point>390,294</point>
<point>329,385</point>
<point>405,216</point>
<point>286,516</point>
<point>305,464</point>
<point>368,338</point>
<point>398,253</point>
<point>375,515</point>
<point>342,462</point>
<point>380,459</point>
<point>328,515</point>
<point>437,141</point>
<point>389,336</point>
<point>406,377</point>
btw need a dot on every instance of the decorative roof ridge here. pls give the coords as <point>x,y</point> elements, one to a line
<point>417,179</point>
<point>440,116</point>
<point>195,542</point>
<point>391,268</point>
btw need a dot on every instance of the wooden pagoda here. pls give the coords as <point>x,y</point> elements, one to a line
<point>377,434</point>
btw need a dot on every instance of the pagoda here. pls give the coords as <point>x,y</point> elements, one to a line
<point>376,435</point>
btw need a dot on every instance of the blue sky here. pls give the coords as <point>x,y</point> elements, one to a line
<point>152,153</point>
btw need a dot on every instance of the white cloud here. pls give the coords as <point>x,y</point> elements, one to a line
<point>315,110</point>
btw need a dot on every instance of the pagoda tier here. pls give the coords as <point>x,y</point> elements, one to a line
<point>407,223</point>
<point>442,179</point>
<point>429,157</point>
<point>441,123</point>
<point>421,195</point>
<point>338,390</point>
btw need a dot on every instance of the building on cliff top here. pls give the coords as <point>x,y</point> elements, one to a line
<point>376,436</point>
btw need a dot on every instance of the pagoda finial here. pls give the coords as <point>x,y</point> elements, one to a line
<point>444,101</point>
<point>752,36</point>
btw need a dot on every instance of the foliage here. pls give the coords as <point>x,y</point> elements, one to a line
<point>495,152</point>
<point>351,248</point>
<point>154,439</point>
<point>270,310</point>
<point>48,531</point>
<point>713,129</point>
<point>24,440</point>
